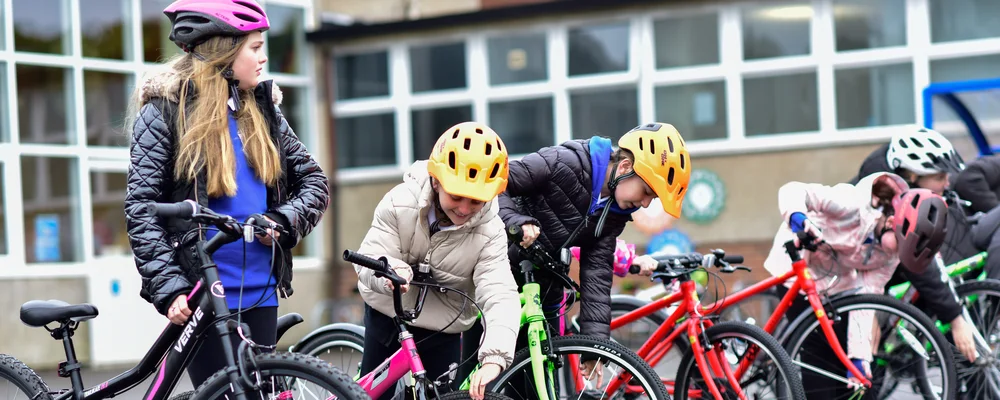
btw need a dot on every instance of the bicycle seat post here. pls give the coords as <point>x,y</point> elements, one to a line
<point>71,367</point>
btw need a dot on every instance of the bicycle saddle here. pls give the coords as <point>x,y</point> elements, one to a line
<point>38,313</point>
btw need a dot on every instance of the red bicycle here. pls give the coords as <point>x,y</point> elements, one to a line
<point>900,351</point>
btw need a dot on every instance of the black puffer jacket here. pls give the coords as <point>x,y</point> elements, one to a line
<point>168,266</point>
<point>979,183</point>
<point>934,292</point>
<point>552,190</point>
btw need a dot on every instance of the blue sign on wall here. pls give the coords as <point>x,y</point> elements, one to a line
<point>670,242</point>
<point>47,238</point>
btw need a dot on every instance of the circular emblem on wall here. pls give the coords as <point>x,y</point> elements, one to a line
<point>706,197</point>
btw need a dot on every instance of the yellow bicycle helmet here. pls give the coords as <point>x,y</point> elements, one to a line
<point>470,160</point>
<point>662,161</point>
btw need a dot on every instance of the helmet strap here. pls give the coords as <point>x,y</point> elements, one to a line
<point>613,182</point>
<point>234,88</point>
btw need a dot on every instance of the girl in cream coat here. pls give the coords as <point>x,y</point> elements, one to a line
<point>444,214</point>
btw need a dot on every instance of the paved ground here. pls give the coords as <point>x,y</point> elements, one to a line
<point>96,377</point>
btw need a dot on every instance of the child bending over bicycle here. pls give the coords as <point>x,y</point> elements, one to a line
<point>864,232</point>
<point>924,159</point>
<point>582,193</point>
<point>444,215</point>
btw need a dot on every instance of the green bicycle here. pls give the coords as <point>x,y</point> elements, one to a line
<point>547,369</point>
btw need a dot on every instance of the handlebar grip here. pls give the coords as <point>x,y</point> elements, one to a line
<point>184,209</point>
<point>733,259</point>
<point>261,222</point>
<point>634,269</point>
<point>515,234</point>
<point>381,265</point>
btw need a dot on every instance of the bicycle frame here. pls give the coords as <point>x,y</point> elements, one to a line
<point>404,360</point>
<point>660,343</point>
<point>177,343</point>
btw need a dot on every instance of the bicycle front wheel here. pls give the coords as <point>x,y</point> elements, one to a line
<point>614,359</point>
<point>771,371</point>
<point>288,376</point>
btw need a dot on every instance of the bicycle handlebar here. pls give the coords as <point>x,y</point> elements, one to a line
<point>536,255</point>
<point>382,270</point>
<point>674,266</point>
<point>191,210</point>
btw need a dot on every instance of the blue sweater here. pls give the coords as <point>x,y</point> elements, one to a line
<point>251,197</point>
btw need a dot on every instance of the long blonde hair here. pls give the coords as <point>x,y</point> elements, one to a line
<point>202,127</point>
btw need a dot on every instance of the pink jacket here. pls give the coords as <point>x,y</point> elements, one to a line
<point>844,214</point>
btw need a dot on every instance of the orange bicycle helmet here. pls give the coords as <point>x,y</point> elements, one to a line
<point>662,161</point>
<point>470,160</point>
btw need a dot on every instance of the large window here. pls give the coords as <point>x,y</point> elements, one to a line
<point>66,78</point>
<point>728,75</point>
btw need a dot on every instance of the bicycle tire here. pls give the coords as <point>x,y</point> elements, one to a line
<point>598,348</point>
<point>183,396</point>
<point>318,345</point>
<point>876,302</point>
<point>790,373</point>
<point>16,372</point>
<point>991,288</point>
<point>295,364</point>
<point>464,395</point>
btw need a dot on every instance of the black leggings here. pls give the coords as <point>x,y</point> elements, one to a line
<point>263,322</point>
<point>437,353</point>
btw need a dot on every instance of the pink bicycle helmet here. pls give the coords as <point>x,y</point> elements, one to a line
<point>921,224</point>
<point>196,21</point>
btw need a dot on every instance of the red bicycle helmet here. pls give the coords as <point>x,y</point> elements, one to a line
<point>921,224</point>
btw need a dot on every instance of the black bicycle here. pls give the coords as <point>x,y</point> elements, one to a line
<point>253,371</point>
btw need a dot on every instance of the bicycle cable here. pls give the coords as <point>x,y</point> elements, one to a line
<point>465,301</point>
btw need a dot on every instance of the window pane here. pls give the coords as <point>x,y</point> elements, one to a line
<point>50,193</point>
<point>366,141</point>
<point>3,215</point>
<point>428,125</point>
<point>284,38</point>
<point>776,31</point>
<point>607,113</point>
<point>40,26</point>
<point>864,24</point>
<point>964,19</point>
<point>106,95</point>
<point>156,45</point>
<point>105,35</point>
<point>781,104</point>
<point>43,107</point>
<point>697,110</point>
<point>686,41</point>
<point>599,48</point>
<point>524,125</point>
<point>437,67</point>
<point>875,96</point>
<point>520,58</point>
<point>362,75</point>
<point>3,31</point>
<point>295,114</point>
<point>110,233</point>
<point>981,104</point>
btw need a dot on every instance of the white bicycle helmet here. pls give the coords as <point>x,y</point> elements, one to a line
<point>924,152</point>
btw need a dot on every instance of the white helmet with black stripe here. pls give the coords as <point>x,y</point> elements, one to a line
<point>924,152</point>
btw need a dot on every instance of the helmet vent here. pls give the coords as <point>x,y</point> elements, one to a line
<point>670,144</point>
<point>249,5</point>
<point>479,131</point>
<point>682,162</point>
<point>473,172</point>
<point>934,143</point>
<point>451,160</point>
<point>495,170</point>
<point>652,146</point>
<point>489,149</point>
<point>681,190</point>
<point>641,147</point>
<point>245,17</point>
<point>670,176</point>
<point>906,226</point>
<point>914,201</point>
<point>455,135</point>
<point>499,146</point>
<point>467,144</point>
<point>932,213</point>
<point>902,143</point>
<point>913,157</point>
<point>916,142</point>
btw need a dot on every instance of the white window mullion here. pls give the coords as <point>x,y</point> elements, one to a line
<point>731,57</point>
<point>71,21</point>
<point>478,77</point>
<point>135,41</point>
<point>645,56</point>
<point>918,41</point>
<point>13,200</point>
<point>558,70</point>
<point>85,219</point>
<point>823,42</point>
<point>8,24</point>
<point>399,92</point>
<point>12,116</point>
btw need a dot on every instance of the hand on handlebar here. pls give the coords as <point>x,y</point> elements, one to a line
<point>812,231</point>
<point>405,272</point>
<point>647,265</point>
<point>269,237</point>
<point>531,233</point>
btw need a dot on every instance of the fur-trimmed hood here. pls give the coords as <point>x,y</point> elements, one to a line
<point>163,82</point>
